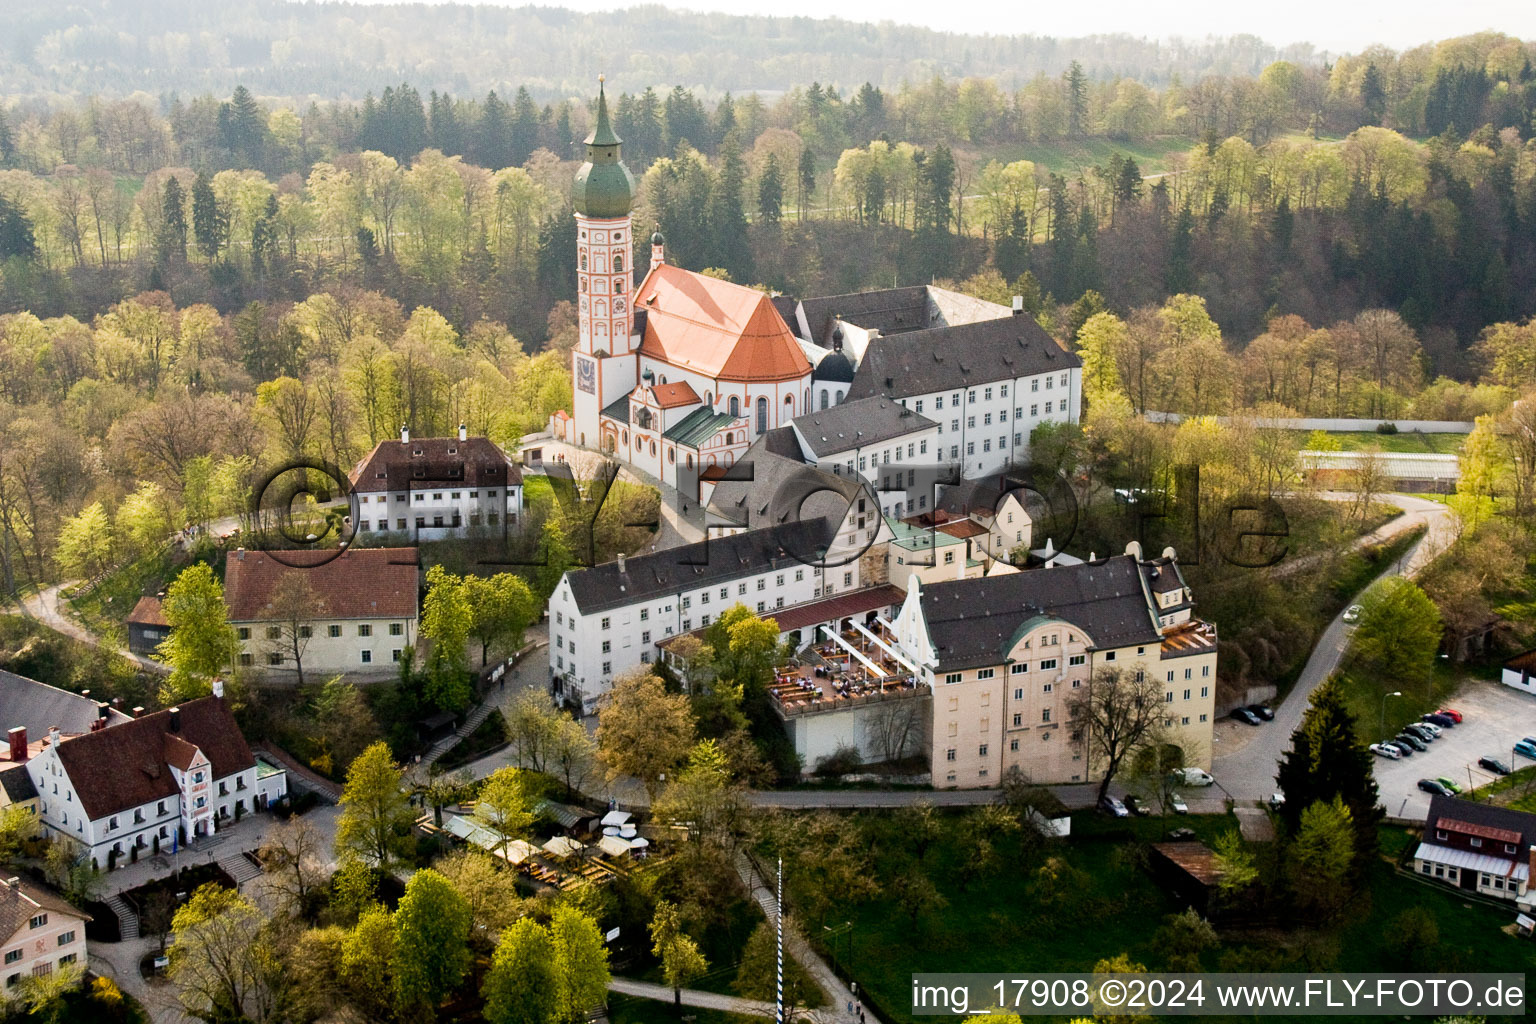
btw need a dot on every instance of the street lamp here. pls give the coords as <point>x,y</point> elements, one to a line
<point>1394,693</point>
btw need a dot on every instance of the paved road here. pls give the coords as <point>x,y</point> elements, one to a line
<point>1249,772</point>
<point>47,607</point>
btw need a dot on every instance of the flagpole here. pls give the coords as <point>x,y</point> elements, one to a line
<point>779,980</point>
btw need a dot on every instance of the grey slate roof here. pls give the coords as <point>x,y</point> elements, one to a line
<point>767,489</point>
<point>717,559</point>
<point>888,310</point>
<point>834,368</point>
<point>20,903</point>
<point>39,707</point>
<point>16,782</point>
<point>954,358</point>
<point>973,623</point>
<point>858,424</point>
<point>781,441</point>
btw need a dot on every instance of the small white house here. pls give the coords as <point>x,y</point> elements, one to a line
<point>1520,672</point>
<point>436,487</point>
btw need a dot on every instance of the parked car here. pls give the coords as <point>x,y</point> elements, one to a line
<point>1433,787</point>
<point>1413,740</point>
<point>1179,834</point>
<point>1112,806</point>
<point>1244,715</point>
<point>1276,800</point>
<point>1423,730</point>
<point>1194,777</point>
<point>1177,803</point>
<point>1494,765</point>
<point>1387,750</point>
<point>1352,614</point>
<point>1403,746</point>
<point>1443,721</point>
<point>1451,713</point>
<point>1525,748</point>
<point>1530,739</point>
<point>1137,807</point>
<point>1263,711</point>
<point>1454,787</point>
<point>1434,728</point>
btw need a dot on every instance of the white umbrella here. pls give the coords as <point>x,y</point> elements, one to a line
<point>611,830</point>
<point>627,831</point>
<point>640,843</point>
<point>518,851</point>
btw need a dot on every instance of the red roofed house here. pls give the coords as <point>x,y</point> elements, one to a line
<point>1478,847</point>
<point>683,372</point>
<point>128,790</point>
<point>435,487</point>
<point>366,606</point>
<point>39,934</point>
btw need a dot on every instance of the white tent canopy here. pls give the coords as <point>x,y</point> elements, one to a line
<point>519,850</point>
<point>613,846</point>
<point>616,817</point>
<point>640,843</point>
<point>560,846</point>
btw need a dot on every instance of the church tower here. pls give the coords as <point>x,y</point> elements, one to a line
<point>605,363</point>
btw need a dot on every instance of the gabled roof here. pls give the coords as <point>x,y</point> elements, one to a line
<point>1488,821</point>
<point>954,358</point>
<point>858,424</point>
<point>359,583</point>
<point>717,559</point>
<point>719,329</point>
<point>434,462</point>
<point>698,426</point>
<point>765,489</point>
<point>20,901</point>
<point>148,612</point>
<point>16,782</point>
<point>974,622</point>
<point>38,707</point>
<point>887,310</point>
<point>117,769</point>
<point>674,394</point>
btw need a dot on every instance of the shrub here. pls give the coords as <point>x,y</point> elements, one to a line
<point>1386,427</point>
<point>840,762</point>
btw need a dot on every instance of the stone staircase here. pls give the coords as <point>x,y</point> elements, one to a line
<point>760,887</point>
<point>239,867</point>
<point>127,920</point>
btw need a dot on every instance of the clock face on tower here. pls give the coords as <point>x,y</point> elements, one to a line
<point>586,375</point>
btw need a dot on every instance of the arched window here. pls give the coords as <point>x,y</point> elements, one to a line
<point>789,407</point>
<point>727,437</point>
<point>626,437</point>
<point>618,264</point>
<point>709,399</point>
<point>671,455</point>
<point>689,460</point>
<point>762,415</point>
<point>583,261</point>
<point>735,406</point>
<point>653,449</point>
<point>618,285</point>
<point>823,398</point>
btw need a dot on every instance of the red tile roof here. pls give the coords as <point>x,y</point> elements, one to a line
<point>434,462</point>
<point>123,767</point>
<point>716,328</point>
<point>360,583</point>
<point>675,394</point>
<point>1502,835</point>
<point>148,612</point>
<point>19,903</point>
<point>962,528</point>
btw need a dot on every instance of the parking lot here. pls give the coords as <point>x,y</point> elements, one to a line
<point>1495,717</point>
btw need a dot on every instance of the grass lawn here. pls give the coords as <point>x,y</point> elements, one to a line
<point>1516,790</point>
<point>1008,923</point>
<point>1065,157</point>
<point>1407,441</point>
<point>1365,695</point>
<point>104,609</point>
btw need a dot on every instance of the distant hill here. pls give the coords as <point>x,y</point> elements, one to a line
<point>52,48</point>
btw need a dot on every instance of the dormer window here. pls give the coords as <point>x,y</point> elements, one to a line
<point>453,451</point>
<point>417,452</point>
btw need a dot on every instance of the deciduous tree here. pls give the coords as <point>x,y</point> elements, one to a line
<point>432,941</point>
<point>375,814</point>
<point>643,731</point>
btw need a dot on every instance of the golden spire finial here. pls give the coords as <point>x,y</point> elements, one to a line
<point>602,78</point>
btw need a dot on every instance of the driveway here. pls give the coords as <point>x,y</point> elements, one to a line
<point>1248,772</point>
<point>1496,716</point>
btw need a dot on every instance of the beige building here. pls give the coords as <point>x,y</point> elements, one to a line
<point>360,621</point>
<point>39,934</point>
<point>1004,656</point>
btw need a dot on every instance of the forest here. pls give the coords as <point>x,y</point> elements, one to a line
<point>191,286</point>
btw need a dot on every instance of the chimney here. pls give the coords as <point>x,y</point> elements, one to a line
<point>463,432</point>
<point>18,737</point>
<point>218,688</point>
<point>175,719</point>
<point>138,711</point>
<point>54,736</point>
<point>1018,305</point>
<point>621,561</point>
<point>405,434</point>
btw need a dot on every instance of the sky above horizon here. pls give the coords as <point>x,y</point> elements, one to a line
<point>1327,24</point>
